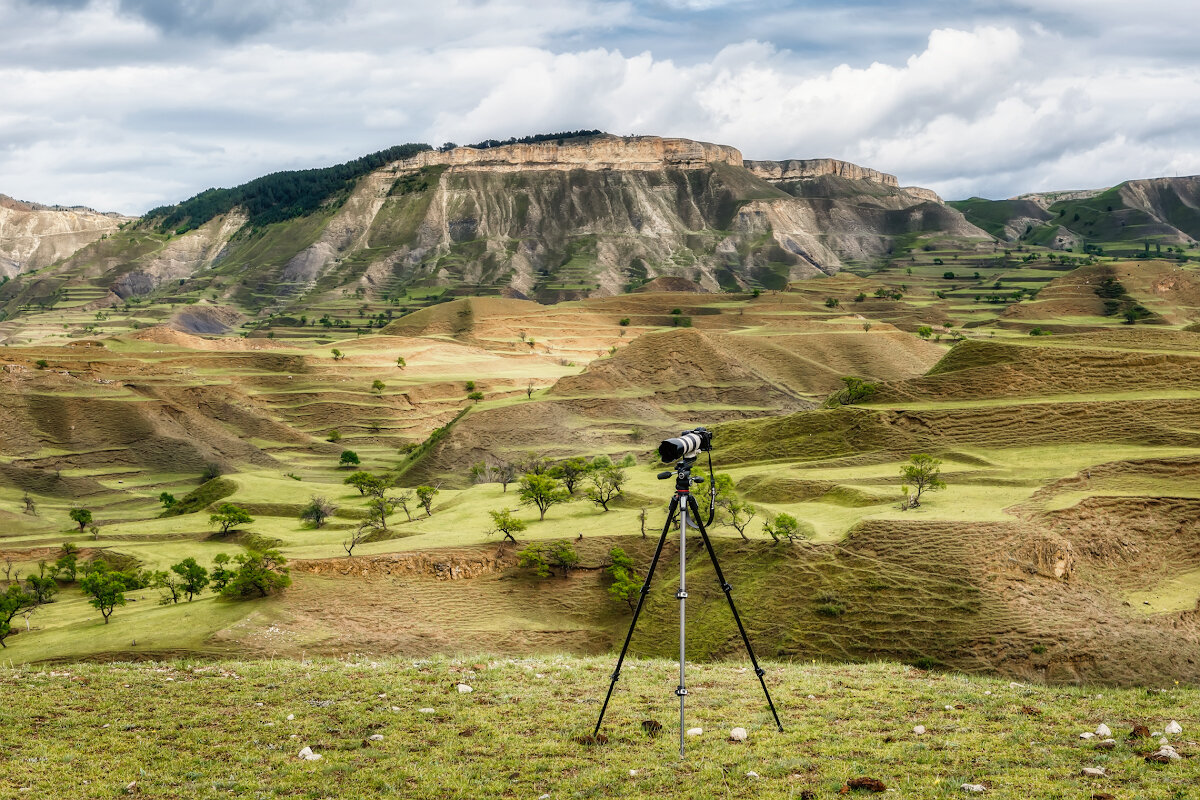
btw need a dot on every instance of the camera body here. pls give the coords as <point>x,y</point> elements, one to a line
<point>688,444</point>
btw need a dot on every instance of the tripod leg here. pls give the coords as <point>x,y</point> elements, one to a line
<point>638,610</point>
<point>725,587</point>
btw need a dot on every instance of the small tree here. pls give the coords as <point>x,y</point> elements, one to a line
<point>258,574</point>
<point>529,389</point>
<point>167,499</point>
<point>563,555</point>
<point>221,573</point>
<point>782,526</point>
<point>82,517</point>
<point>67,562</point>
<point>211,472</point>
<point>425,495</point>
<point>402,502</point>
<point>625,586</point>
<point>13,601</point>
<point>170,584</point>
<point>924,331</point>
<point>738,514</point>
<point>360,534</point>
<point>542,491</point>
<point>503,522</point>
<point>30,505</point>
<point>378,510</point>
<point>642,520</point>
<point>570,471</point>
<point>923,474</point>
<point>192,577</point>
<point>400,362</point>
<point>534,557</point>
<point>105,591</point>
<point>317,511</point>
<point>348,458</point>
<point>43,586</point>
<point>378,386</point>
<point>856,390</point>
<point>476,396</point>
<point>605,485</point>
<point>366,483</point>
<point>229,516</point>
<point>338,355</point>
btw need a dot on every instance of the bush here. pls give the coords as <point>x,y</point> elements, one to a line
<point>228,516</point>
<point>624,323</point>
<point>348,458</point>
<point>258,574</point>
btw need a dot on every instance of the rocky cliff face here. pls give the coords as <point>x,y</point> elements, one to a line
<point>33,235</point>
<point>550,221</point>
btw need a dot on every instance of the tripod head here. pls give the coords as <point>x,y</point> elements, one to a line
<point>683,474</point>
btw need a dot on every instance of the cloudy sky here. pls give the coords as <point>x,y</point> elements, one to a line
<point>127,104</point>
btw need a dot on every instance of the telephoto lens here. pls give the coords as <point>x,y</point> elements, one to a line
<point>687,445</point>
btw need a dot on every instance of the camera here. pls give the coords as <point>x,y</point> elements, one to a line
<point>688,444</point>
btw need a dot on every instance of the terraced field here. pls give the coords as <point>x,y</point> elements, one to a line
<point>1063,549</point>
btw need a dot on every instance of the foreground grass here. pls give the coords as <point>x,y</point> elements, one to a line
<point>200,729</point>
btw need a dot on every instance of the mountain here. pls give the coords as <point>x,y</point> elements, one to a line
<point>1135,215</point>
<point>33,236</point>
<point>548,219</point>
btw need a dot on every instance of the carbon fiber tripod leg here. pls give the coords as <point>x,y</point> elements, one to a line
<point>725,587</point>
<point>674,508</point>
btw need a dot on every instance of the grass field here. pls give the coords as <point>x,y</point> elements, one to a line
<point>234,729</point>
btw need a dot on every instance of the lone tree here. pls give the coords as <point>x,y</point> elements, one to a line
<point>425,495</point>
<point>782,526</point>
<point>15,600</point>
<point>167,499</point>
<point>378,386</point>
<point>258,574</point>
<point>542,491</point>
<point>921,474</point>
<point>105,591</point>
<point>625,586</point>
<point>229,516</point>
<point>503,522</point>
<point>605,485</point>
<point>348,458</point>
<point>366,483</point>
<point>362,533</point>
<point>317,511</point>
<point>338,355</point>
<point>400,362</point>
<point>30,505</point>
<point>82,517</point>
<point>855,390</point>
<point>192,577</point>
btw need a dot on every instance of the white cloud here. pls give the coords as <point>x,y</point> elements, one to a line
<point>106,108</point>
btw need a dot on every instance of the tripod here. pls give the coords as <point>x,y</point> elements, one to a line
<point>683,503</point>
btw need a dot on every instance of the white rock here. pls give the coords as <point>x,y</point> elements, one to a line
<point>1015,685</point>
<point>751,774</point>
<point>544,797</point>
<point>426,710</point>
<point>948,708</point>
<point>919,730</point>
<point>1164,741</point>
<point>308,755</point>
<point>974,787</point>
<point>1166,752</point>
<point>1093,772</point>
<point>291,717</point>
<point>738,734</point>
<point>1087,735</point>
<point>633,773</point>
<point>464,689</point>
<point>695,731</point>
<point>1103,731</point>
<point>989,691</point>
<point>375,737</point>
<point>812,697</point>
<point>1173,728</point>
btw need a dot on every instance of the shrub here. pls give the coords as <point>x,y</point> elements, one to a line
<point>228,516</point>
<point>258,574</point>
<point>348,458</point>
<point>624,323</point>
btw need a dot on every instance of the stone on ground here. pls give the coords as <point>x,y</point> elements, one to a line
<point>738,734</point>
<point>308,755</point>
<point>695,731</point>
<point>919,730</point>
<point>1103,731</point>
<point>1173,728</point>
<point>1093,772</point>
<point>464,689</point>
<point>974,787</point>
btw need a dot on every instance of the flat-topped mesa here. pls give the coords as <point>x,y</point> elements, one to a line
<point>592,152</point>
<point>799,168</point>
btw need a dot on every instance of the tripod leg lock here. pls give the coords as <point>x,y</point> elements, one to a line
<point>681,691</point>
<point>616,676</point>
<point>726,588</point>
<point>759,671</point>
<point>681,595</point>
